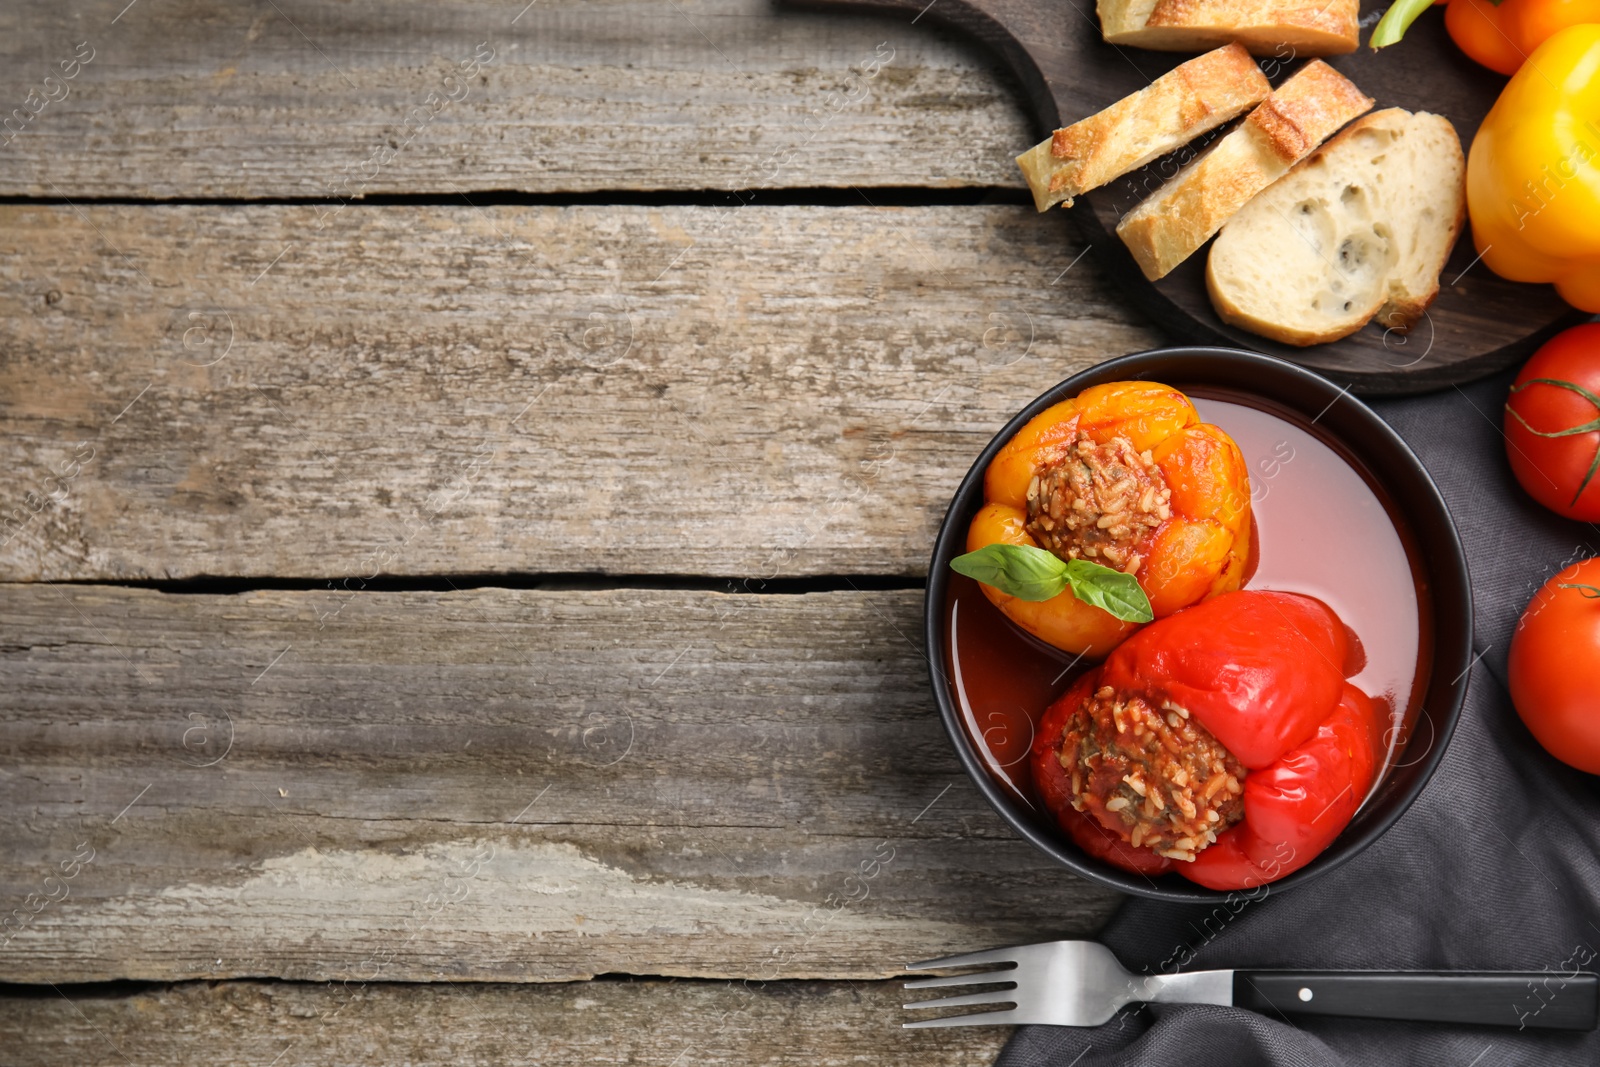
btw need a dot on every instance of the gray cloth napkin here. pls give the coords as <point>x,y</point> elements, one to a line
<point>1493,868</point>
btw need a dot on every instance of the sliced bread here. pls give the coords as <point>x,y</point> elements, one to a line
<point>1265,27</point>
<point>1286,127</point>
<point>1171,111</point>
<point>1361,228</point>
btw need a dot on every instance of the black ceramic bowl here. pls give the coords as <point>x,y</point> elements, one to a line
<point>1388,464</point>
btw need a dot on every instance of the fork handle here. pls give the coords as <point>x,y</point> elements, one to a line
<point>1551,1000</point>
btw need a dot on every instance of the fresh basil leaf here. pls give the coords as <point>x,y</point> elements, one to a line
<point>1021,571</point>
<point>1108,590</point>
<point>1029,573</point>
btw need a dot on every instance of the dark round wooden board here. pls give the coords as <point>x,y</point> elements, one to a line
<point>1480,323</point>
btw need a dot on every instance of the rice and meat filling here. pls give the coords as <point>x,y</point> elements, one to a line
<point>1153,776</point>
<point>1097,502</point>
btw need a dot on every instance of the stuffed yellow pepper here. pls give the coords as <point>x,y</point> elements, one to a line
<point>1106,511</point>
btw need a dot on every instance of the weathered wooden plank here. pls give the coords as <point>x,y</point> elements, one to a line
<point>752,392</point>
<point>815,1024</point>
<point>324,99</point>
<point>490,784</point>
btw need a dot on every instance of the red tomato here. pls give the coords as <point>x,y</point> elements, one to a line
<point>1552,424</point>
<point>1555,666</point>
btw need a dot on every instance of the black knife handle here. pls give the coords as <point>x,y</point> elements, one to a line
<point>1550,1000</point>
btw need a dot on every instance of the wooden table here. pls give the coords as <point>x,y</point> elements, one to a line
<point>472,470</point>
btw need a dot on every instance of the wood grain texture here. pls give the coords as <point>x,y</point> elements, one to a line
<point>807,1024</point>
<point>302,391</point>
<point>313,98</point>
<point>491,785</point>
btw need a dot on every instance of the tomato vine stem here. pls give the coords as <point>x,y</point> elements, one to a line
<point>1588,427</point>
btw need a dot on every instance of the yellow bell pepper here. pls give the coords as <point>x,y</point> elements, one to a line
<point>1533,176</point>
<point>1186,538</point>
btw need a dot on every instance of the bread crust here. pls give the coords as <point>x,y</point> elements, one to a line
<point>1304,111</point>
<point>1264,27</point>
<point>1235,315</point>
<point>1401,314</point>
<point>1177,107</point>
<point>1307,109</point>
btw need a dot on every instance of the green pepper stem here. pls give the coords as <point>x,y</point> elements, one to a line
<point>1396,21</point>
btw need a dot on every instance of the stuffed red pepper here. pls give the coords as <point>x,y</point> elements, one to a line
<point>1222,742</point>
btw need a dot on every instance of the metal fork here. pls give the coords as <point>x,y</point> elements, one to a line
<point>1080,983</point>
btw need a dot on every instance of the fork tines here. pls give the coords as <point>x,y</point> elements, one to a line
<point>971,959</point>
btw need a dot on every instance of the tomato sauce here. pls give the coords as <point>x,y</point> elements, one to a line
<point>1322,528</point>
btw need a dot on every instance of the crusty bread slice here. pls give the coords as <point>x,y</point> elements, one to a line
<point>1361,228</point>
<point>1182,215</point>
<point>1265,27</point>
<point>1171,111</point>
<point>1430,221</point>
